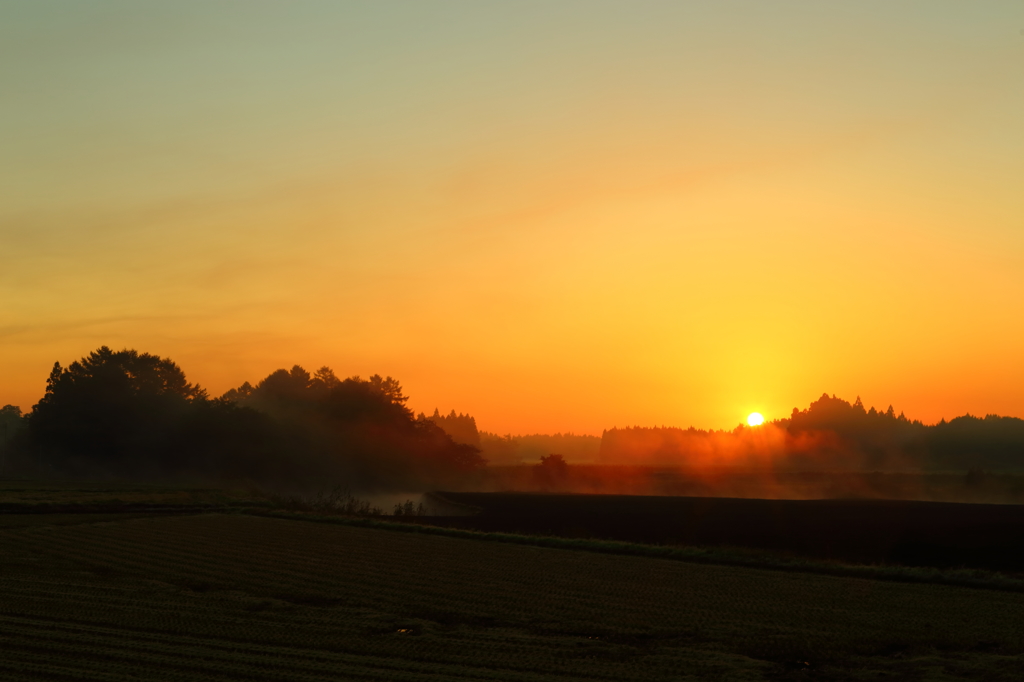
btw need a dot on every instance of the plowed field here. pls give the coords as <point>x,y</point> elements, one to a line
<point>911,533</point>
<point>235,597</point>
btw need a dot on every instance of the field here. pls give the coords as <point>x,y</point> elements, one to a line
<point>21,496</point>
<point>936,534</point>
<point>973,486</point>
<point>228,596</point>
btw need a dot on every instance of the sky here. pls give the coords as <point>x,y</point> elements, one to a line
<point>557,216</point>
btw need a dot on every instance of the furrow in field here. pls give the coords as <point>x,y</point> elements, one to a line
<point>187,663</point>
<point>202,660</point>
<point>281,592</point>
<point>131,553</point>
<point>71,639</point>
<point>382,586</point>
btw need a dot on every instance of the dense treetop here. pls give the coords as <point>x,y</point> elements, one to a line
<point>128,413</point>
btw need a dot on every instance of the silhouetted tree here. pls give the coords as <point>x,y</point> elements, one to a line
<point>461,427</point>
<point>130,413</point>
<point>993,443</point>
<point>10,423</point>
<point>880,439</point>
<point>388,387</point>
<point>110,412</point>
<point>324,380</point>
<point>357,429</point>
<point>12,431</point>
<point>552,471</point>
<point>235,395</point>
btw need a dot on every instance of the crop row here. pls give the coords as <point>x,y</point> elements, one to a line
<point>289,575</point>
<point>232,596</point>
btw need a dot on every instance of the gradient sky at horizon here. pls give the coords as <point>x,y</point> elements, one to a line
<point>557,216</point>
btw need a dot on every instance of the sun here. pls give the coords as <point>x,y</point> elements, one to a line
<point>755,419</point>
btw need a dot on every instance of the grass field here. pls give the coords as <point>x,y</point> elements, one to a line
<point>233,596</point>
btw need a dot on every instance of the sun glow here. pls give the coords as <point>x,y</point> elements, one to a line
<point>755,419</point>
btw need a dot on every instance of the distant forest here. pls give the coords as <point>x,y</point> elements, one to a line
<point>130,414</point>
<point>831,434</point>
<point>509,449</point>
<point>135,415</point>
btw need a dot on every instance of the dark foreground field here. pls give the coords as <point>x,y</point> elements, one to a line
<point>937,534</point>
<point>241,597</point>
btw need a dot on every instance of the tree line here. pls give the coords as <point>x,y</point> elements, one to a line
<point>131,414</point>
<point>512,450</point>
<point>832,434</point>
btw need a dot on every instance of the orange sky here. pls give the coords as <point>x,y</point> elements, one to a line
<point>555,216</point>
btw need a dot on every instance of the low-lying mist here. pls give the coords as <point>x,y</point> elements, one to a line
<point>296,434</point>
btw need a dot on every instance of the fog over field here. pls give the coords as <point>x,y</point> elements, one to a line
<point>136,416</point>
